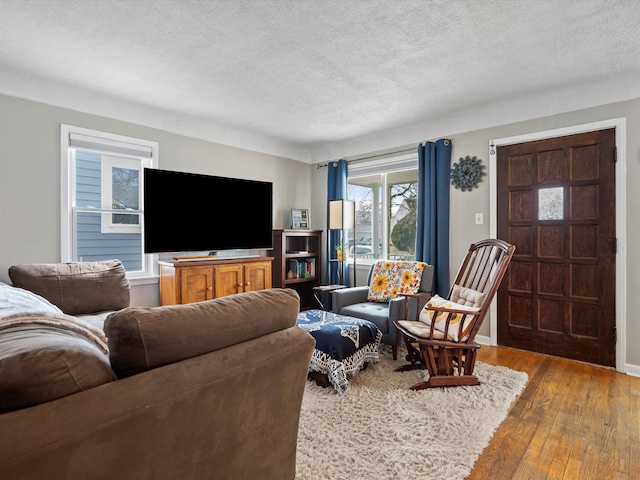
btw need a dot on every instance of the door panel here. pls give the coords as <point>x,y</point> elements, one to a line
<point>556,203</point>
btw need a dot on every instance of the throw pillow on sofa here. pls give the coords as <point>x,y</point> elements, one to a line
<point>76,287</point>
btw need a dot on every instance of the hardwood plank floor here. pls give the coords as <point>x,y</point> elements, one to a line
<point>572,421</point>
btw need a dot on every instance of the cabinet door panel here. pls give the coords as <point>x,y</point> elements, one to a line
<point>257,276</point>
<point>196,284</point>
<point>228,280</point>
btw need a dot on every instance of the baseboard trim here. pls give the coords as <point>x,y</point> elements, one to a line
<point>629,368</point>
<point>633,370</point>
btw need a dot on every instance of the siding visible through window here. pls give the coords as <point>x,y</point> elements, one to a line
<point>92,243</point>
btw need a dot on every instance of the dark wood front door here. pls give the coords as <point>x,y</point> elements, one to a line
<point>556,203</point>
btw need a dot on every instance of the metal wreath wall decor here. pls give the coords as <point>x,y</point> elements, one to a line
<point>467,173</point>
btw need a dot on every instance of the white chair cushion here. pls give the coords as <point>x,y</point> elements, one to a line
<point>467,296</point>
<point>420,329</point>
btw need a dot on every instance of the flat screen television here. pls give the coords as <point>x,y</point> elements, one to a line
<point>187,212</point>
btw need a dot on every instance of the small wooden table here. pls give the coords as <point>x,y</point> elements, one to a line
<point>323,290</point>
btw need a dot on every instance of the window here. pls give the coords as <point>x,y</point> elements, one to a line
<point>551,203</point>
<point>120,190</point>
<point>385,193</point>
<point>102,211</point>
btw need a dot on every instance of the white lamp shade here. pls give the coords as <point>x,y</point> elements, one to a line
<point>342,215</point>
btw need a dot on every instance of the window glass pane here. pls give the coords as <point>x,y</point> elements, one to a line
<point>93,244</point>
<point>125,194</point>
<point>363,245</point>
<point>551,203</point>
<point>104,236</point>
<point>398,192</point>
<point>403,202</point>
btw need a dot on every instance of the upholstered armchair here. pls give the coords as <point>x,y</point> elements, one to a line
<point>357,302</point>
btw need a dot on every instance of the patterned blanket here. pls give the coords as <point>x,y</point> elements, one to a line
<point>343,344</point>
<point>20,307</point>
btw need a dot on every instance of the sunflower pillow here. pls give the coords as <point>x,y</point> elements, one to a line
<point>427,316</point>
<point>392,278</point>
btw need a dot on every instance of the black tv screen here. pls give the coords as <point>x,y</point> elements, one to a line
<point>186,212</point>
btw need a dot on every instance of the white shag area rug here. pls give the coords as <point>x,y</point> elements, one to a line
<point>382,430</point>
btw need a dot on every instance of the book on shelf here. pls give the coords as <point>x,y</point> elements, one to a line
<point>311,267</point>
<point>302,268</point>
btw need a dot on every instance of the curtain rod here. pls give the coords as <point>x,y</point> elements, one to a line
<point>406,150</point>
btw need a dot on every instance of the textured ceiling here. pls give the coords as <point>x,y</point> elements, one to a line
<point>291,77</point>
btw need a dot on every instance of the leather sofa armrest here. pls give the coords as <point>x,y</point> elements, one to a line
<point>348,296</point>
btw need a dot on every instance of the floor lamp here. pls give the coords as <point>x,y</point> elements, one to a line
<point>341,216</point>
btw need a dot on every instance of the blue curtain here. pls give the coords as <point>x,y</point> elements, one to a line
<point>336,190</point>
<point>432,238</point>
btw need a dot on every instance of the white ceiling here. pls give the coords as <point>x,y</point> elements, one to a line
<point>320,79</point>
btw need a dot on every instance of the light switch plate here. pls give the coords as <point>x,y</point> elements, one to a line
<point>479,219</point>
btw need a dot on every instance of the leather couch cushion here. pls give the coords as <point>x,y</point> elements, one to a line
<point>141,339</point>
<point>42,363</point>
<point>377,313</point>
<point>76,288</point>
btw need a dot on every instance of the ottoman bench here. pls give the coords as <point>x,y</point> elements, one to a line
<point>344,345</point>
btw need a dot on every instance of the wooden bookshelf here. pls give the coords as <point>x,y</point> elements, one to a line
<point>302,248</point>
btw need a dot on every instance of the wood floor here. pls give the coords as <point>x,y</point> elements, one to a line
<point>572,421</point>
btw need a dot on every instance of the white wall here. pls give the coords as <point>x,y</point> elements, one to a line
<point>30,177</point>
<point>465,204</point>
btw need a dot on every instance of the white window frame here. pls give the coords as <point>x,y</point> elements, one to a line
<point>110,144</point>
<point>106,193</point>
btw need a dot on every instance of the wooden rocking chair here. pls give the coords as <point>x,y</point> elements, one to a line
<point>442,338</point>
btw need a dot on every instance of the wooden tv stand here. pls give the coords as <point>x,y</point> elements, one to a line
<point>205,279</point>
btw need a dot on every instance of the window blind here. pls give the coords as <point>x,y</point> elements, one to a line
<point>88,142</point>
<point>384,165</point>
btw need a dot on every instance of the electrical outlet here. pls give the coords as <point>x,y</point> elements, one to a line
<point>479,219</point>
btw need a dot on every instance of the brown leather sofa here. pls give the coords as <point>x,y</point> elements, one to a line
<point>209,390</point>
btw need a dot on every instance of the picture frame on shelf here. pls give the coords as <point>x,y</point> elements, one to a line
<point>299,219</point>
